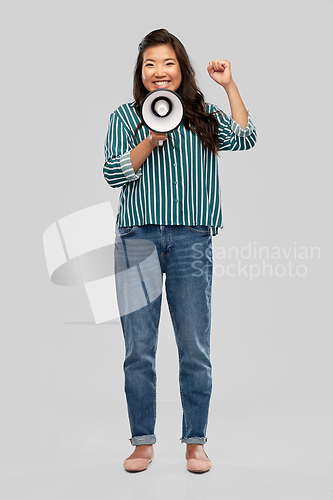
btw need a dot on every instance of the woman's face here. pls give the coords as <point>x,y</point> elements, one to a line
<point>160,68</point>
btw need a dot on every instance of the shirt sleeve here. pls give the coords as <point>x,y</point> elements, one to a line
<point>118,169</point>
<point>232,137</point>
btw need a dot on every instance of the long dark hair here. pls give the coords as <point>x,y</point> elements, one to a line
<point>196,119</point>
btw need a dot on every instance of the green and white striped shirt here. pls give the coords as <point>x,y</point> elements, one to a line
<point>178,184</point>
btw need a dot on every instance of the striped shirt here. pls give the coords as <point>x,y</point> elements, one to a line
<point>178,184</point>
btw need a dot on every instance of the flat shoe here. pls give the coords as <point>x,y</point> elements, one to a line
<point>136,464</point>
<point>196,465</point>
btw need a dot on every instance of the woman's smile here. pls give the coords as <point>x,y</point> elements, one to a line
<point>163,84</point>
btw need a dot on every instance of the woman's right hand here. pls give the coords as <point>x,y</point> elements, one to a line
<point>141,152</point>
<point>154,138</point>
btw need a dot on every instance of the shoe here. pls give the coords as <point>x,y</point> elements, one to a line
<point>198,466</point>
<point>136,464</point>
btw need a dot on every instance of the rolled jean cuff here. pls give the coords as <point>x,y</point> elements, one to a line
<point>194,440</point>
<point>147,439</point>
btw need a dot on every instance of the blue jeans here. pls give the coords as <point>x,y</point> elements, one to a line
<point>184,253</point>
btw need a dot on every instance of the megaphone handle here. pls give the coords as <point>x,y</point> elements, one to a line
<point>160,143</point>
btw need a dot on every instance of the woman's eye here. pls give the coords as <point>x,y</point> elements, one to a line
<point>150,64</point>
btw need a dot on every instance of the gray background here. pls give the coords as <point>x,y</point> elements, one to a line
<point>65,67</point>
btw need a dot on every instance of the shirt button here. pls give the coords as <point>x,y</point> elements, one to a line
<point>174,165</point>
<point>176,201</point>
<point>175,182</point>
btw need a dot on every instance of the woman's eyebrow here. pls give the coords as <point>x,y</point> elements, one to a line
<point>168,59</point>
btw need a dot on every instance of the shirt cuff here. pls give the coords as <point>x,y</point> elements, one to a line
<point>238,130</point>
<point>127,167</point>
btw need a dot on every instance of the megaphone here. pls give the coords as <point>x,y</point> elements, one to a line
<point>162,111</point>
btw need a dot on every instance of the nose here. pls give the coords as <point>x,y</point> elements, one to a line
<point>159,71</point>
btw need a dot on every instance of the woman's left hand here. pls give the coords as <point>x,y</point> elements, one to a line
<point>220,71</point>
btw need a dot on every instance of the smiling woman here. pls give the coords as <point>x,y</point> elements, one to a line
<point>170,197</point>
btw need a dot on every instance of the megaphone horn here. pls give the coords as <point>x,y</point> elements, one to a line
<point>162,111</point>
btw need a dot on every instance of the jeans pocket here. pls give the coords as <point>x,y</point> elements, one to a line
<point>126,231</point>
<point>200,229</point>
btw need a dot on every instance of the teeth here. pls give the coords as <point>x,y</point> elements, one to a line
<point>161,83</point>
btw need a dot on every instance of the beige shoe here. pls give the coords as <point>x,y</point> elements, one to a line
<point>196,465</point>
<point>136,464</point>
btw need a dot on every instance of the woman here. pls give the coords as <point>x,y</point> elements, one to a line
<point>169,204</point>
